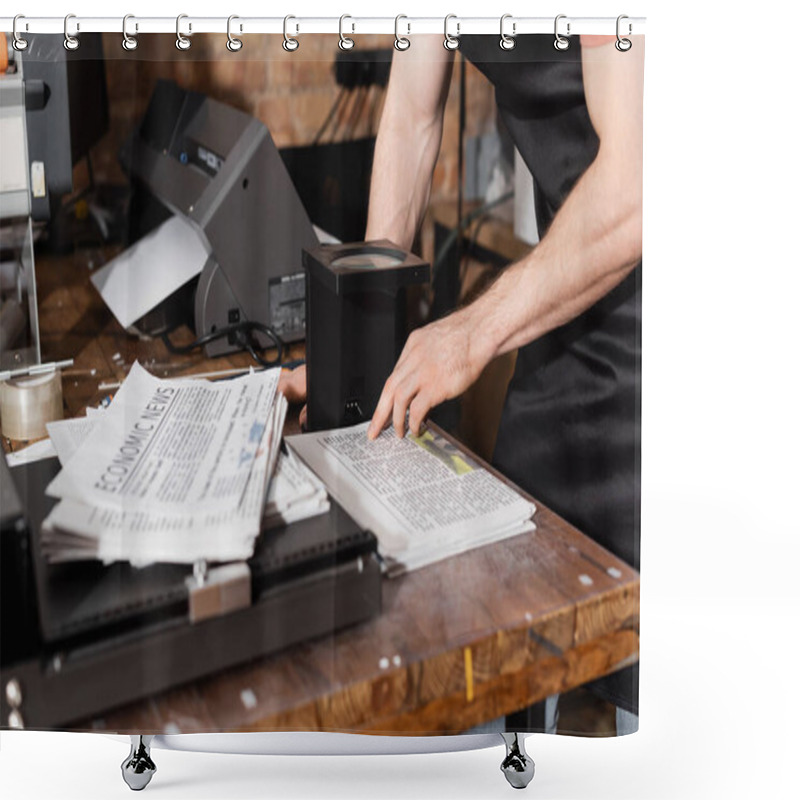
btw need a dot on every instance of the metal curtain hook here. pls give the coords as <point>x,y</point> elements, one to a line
<point>561,42</point>
<point>70,42</point>
<point>401,42</point>
<point>451,42</point>
<point>19,43</point>
<point>623,45</point>
<point>290,44</point>
<point>129,42</point>
<point>507,42</point>
<point>345,42</point>
<point>233,44</point>
<point>182,42</point>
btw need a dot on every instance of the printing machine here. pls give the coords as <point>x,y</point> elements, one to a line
<point>219,168</point>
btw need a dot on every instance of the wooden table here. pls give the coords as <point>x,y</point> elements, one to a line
<point>460,642</point>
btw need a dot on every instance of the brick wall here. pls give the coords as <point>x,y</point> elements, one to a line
<point>291,93</point>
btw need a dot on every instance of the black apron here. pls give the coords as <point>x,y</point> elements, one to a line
<point>570,429</point>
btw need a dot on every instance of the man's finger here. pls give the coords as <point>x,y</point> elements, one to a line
<point>417,411</point>
<point>292,384</point>
<point>402,400</point>
<point>382,410</point>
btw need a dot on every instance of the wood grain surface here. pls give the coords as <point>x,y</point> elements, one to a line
<point>460,642</point>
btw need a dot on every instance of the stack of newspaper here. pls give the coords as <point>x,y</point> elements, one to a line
<point>294,494</point>
<point>176,471</point>
<point>423,497</point>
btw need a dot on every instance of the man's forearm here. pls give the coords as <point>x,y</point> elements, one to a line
<point>405,154</point>
<point>596,236</point>
<point>592,244</point>
<point>408,142</point>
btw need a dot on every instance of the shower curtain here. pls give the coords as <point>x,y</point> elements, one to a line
<point>216,177</point>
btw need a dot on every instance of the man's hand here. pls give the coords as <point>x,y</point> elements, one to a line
<point>439,362</point>
<point>292,385</point>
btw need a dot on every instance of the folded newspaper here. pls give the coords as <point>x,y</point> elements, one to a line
<point>176,471</point>
<point>422,497</point>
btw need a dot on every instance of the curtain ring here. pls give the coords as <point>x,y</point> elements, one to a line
<point>561,42</point>
<point>129,42</point>
<point>182,42</point>
<point>345,42</point>
<point>450,42</point>
<point>401,43</point>
<point>233,44</point>
<point>70,42</point>
<point>290,44</point>
<point>623,45</point>
<point>18,42</point>
<point>507,42</point>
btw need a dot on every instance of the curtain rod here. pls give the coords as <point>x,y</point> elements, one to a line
<point>350,25</point>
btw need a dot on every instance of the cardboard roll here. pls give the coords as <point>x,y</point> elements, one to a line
<point>356,326</point>
<point>27,404</point>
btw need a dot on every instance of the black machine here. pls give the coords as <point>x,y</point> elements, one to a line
<point>80,639</point>
<point>219,168</point>
<point>356,308</point>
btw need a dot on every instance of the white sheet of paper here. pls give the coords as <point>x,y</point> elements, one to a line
<point>33,452</point>
<point>68,435</point>
<point>139,278</point>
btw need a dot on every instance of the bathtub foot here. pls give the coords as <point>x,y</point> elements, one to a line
<point>517,766</point>
<point>138,768</point>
